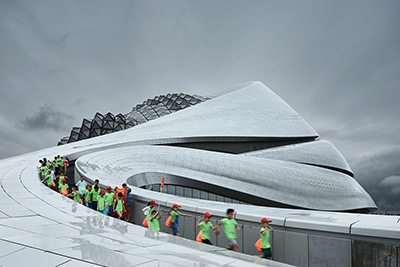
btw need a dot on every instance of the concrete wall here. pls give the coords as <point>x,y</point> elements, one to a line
<point>293,245</point>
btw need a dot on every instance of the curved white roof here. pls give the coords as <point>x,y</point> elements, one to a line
<point>320,153</point>
<point>248,112</point>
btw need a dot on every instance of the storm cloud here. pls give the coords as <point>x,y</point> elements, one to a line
<point>337,63</point>
<point>46,119</point>
<point>380,177</point>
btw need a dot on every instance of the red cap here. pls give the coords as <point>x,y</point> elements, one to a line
<point>175,206</point>
<point>265,220</point>
<point>102,192</point>
<point>108,187</point>
<point>153,203</point>
<point>88,185</point>
<point>63,180</point>
<point>207,215</point>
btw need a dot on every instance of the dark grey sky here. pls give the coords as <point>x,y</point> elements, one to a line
<point>337,63</point>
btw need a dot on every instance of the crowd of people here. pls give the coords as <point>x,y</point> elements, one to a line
<point>229,224</point>
<point>116,204</point>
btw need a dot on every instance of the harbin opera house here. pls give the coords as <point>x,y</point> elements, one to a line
<point>242,145</point>
<point>242,148</point>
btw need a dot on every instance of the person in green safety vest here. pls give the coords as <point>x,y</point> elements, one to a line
<point>264,233</point>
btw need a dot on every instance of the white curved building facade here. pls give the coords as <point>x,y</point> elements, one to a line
<point>245,145</point>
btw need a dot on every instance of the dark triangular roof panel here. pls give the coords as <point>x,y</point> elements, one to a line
<point>150,109</point>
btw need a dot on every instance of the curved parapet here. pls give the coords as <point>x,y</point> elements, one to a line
<point>40,227</point>
<point>258,181</point>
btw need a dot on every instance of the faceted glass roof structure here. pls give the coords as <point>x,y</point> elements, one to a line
<point>149,110</point>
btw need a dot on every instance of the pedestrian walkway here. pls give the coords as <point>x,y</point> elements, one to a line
<point>43,228</point>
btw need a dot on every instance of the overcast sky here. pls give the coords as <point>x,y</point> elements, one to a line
<point>337,63</point>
